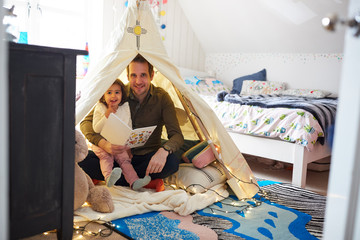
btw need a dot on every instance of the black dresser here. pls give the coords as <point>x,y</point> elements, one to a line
<point>42,124</point>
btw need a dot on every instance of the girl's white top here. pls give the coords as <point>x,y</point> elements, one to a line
<point>99,119</point>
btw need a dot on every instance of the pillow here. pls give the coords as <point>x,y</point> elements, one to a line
<point>205,86</point>
<point>191,80</point>
<point>199,155</point>
<point>195,180</point>
<point>238,82</point>
<point>252,87</point>
<point>312,93</point>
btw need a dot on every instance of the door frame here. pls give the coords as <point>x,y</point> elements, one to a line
<point>343,201</point>
<point>4,140</point>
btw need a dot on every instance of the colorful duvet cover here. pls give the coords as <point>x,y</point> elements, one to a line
<point>289,124</point>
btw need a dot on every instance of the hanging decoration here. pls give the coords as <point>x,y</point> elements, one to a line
<point>82,65</point>
<point>137,30</point>
<point>158,10</point>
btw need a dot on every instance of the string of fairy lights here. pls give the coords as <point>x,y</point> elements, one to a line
<point>242,206</point>
<point>104,232</point>
<point>81,232</point>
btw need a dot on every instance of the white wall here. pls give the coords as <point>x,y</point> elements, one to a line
<point>4,217</point>
<point>302,70</point>
<point>102,18</point>
<point>180,41</point>
<point>262,26</point>
<point>100,25</point>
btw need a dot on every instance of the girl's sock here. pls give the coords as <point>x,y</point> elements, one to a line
<point>141,182</point>
<point>114,176</point>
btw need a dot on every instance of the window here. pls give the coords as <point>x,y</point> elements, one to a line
<point>56,23</point>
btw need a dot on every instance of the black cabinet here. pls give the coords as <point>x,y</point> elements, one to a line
<point>42,124</point>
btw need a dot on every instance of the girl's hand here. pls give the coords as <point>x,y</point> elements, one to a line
<point>114,107</point>
<point>110,109</point>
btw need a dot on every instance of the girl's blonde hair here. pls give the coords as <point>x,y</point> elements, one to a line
<point>123,91</point>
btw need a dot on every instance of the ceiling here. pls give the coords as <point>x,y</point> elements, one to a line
<point>262,26</point>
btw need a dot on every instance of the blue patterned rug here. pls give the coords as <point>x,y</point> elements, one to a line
<point>287,212</point>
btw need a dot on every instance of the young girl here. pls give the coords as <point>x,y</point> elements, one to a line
<point>114,101</point>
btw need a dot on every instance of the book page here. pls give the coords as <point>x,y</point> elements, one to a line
<point>115,130</point>
<point>139,136</point>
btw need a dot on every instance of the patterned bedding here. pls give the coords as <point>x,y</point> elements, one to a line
<point>298,119</point>
<point>323,109</point>
<point>293,125</point>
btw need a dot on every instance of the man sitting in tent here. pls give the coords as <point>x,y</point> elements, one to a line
<point>149,105</point>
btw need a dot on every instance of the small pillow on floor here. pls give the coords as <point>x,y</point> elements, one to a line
<point>199,155</point>
<point>195,180</point>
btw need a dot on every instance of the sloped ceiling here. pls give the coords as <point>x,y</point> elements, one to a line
<point>263,26</point>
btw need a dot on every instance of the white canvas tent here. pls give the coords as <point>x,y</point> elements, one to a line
<point>137,33</point>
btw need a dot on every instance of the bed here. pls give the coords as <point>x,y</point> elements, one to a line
<point>258,129</point>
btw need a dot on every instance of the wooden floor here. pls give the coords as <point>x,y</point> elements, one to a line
<point>315,181</point>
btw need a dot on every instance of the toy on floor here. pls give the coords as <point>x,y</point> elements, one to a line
<point>98,197</point>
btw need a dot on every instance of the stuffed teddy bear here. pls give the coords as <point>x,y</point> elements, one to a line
<point>98,197</point>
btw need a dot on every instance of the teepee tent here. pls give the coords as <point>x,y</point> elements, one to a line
<point>137,33</point>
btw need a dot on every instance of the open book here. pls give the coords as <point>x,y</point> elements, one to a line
<point>119,133</point>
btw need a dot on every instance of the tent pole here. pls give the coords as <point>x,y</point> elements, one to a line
<point>187,105</point>
<point>189,114</point>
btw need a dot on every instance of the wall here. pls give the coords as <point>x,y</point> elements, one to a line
<point>302,70</point>
<point>100,25</point>
<point>180,41</point>
<point>262,26</point>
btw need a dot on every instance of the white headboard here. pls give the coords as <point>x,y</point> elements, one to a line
<point>186,72</point>
<point>306,70</point>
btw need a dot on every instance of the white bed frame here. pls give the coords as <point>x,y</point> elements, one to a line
<point>282,151</point>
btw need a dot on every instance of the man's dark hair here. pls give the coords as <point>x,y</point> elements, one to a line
<point>141,59</point>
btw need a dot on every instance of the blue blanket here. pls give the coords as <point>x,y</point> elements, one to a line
<point>323,109</point>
